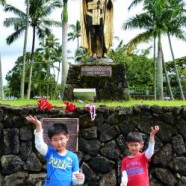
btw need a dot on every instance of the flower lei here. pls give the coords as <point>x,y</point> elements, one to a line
<point>43,104</point>
<point>92,109</point>
<point>70,107</point>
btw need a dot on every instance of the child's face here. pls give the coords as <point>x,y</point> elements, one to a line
<point>59,142</point>
<point>134,147</point>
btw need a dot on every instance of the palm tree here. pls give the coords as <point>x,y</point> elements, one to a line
<point>174,24</point>
<point>24,51</point>
<point>64,17</point>
<point>50,53</point>
<point>39,11</point>
<point>57,59</point>
<point>2,2</point>
<point>75,32</point>
<point>152,21</point>
<point>159,78</point>
<point>133,4</point>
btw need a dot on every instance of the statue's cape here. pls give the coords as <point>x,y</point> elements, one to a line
<point>108,30</point>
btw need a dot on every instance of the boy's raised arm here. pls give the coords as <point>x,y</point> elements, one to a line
<point>153,132</point>
<point>40,145</point>
<point>150,150</point>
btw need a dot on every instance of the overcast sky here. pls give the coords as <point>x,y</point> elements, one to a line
<point>9,54</point>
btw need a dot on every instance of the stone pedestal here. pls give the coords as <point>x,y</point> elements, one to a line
<point>111,85</point>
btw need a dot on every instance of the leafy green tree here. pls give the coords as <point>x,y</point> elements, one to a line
<point>48,55</point>
<point>181,64</point>
<point>39,11</point>
<point>7,91</point>
<point>119,54</point>
<point>13,78</point>
<point>43,82</point>
<point>81,55</point>
<point>139,69</point>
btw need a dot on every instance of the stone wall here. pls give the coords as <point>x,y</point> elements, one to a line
<point>101,144</point>
<point>107,88</point>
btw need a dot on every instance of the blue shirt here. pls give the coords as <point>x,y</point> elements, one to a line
<point>60,168</point>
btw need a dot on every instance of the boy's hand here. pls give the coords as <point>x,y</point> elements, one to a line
<point>154,130</point>
<point>35,122</point>
<point>79,176</point>
<point>123,184</point>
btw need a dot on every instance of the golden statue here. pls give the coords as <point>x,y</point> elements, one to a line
<point>96,26</point>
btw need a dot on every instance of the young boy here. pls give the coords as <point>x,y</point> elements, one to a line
<point>135,166</point>
<point>62,165</point>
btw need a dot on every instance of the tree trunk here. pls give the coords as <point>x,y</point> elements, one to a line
<point>64,49</point>
<point>56,79</point>
<point>31,64</point>
<point>159,77</point>
<point>155,64</point>
<point>1,81</point>
<point>24,52</point>
<point>167,77</point>
<point>177,74</point>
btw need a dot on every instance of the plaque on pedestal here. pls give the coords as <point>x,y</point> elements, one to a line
<point>96,70</point>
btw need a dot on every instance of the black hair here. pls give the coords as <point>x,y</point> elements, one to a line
<point>134,137</point>
<point>57,128</point>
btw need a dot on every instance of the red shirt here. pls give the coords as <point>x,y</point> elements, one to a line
<point>137,170</point>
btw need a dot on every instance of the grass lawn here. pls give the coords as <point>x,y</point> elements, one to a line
<point>60,103</point>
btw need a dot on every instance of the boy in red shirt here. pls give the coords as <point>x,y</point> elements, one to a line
<point>135,166</point>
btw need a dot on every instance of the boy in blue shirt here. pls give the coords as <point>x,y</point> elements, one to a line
<point>62,165</point>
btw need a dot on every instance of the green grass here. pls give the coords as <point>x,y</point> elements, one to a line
<point>60,103</point>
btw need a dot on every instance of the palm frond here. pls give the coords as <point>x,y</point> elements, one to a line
<point>16,11</point>
<point>49,7</point>
<point>134,3</point>
<point>43,31</point>
<point>138,21</point>
<point>50,23</point>
<point>142,37</point>
<point>10,39</point>
<point>179,34</point>
<point>16,22</point>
